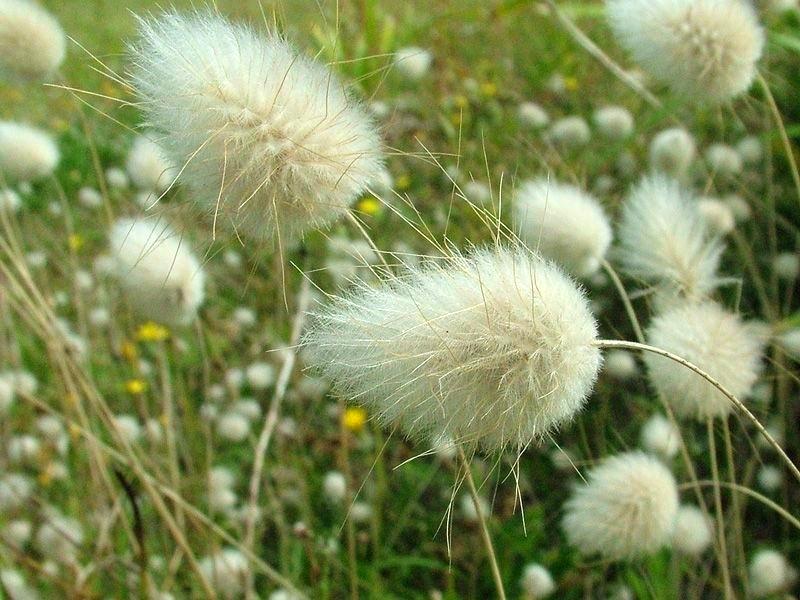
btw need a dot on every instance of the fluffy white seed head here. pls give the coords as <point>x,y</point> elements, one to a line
<point>334,486</point>
<point>789,342</point>
<point>468,508</point>
<point>723,160</point>
<point>787,265</point>
<point>715,340</point>
<point>227,571</point>
<point>129,427</point>
<point>9,200</point>
<point>770,478</point>
<point>693,532</point>
<point>739,207</point>
<point>659,436</point>
<point>672,151</point>
<point>260,375</point>
<point>494,349</point>
<point>26,153</point>
<point>627,509</point>
<point>620,364</point>
<point>750,150</point>
<point>116,178</point>
<point>90,197</point>
<point>770,572</point>
<point>412,62</point>
<point>613,122</point>
<point>269,140</point>
<point>564,223</point>
<point>6,393</point>
<point>148,166</point>
<point>664,240</point>
<point>32,43</point>
<point>162,278</point>
<point>705,50</point>
<point>718,215</point>
<point>233,426</point>
<point>533,115</point>
<point>569,133</point>
<point>537,582</point>
<point>15,490</point>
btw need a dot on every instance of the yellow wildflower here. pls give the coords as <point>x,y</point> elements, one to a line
<point>369,205</point>
<point>354,418</point>
<point>489,89</point>
<point>571,83</point>
<point>152,332</point>
<point>129,351</point>
<point>135,386</point>
<point>75,242</point>
<point>403,182</point>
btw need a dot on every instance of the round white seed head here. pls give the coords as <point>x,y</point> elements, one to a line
<point>532,115</point>
<point>789,342</point>
<point>162,278</point>
<point>769,572</point>
<point>716,341</point>
<point>664,240</point>
<point>627,509</point>
<point>705,50</point>
<point>672,151</point>
<point>739,208</point>
<point>613,122</point>
<point>750,150</point>
<point>787,266</point>
<point>693,532</point>
<point>620,364</point>
<point>9,200</point>
<point>26,153</point>
<point>334,486</point>
<point>269,141</point>
<point>90,197</point>
<point>495,349</point>
<point>477,192</point>
<point>723,160</point>
<point>537,582</point>
<point>116,178</point>
<point>148,166</point>
<point>248,408</point>
<point>129,427</point>
<point>233,426</point>
<point>564,223</point>
<point>659,436</point>
<point>32,43</point>
<point>17,533</point>
<point>227,570</point>
<point>15,490</point>
<point>718,216</point>
<point>260,375</point>
<point>412,62</point>
<point>468,508</point>
<point>569,133</point>
<point>770,478</point>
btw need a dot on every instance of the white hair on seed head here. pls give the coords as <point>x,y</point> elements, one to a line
<point>613,122</point>
<point>26,153</point>
<point>693,531</point>
<point>537,582</point>
<point>227,571</point>
<point>148,166</point>
<point>32,43</point>
<point>715,340</point>
<point>663,239</point>
<point>268,139</point>
<point>564,223</point>
<point>494,349</point>
<point>627,508</point>
<point>660,436</point>
<point>162,278</point>
<point>672,151</point>
<point>769,572</point>
<point>412,62</point>
<point>705,50</point>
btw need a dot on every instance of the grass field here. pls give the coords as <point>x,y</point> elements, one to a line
<point>133,507</point>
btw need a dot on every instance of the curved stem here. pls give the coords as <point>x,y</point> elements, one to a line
<point>487,539</point>
<point>692,367</point>
<point>637,328</point>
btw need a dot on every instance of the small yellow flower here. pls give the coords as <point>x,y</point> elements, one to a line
<point>46,475</point>
<point>135,386</point>
<point>354,419</point>
<point>489,89</point>
<point>129,351</point>
<point>403,182</point>
<point>571,83</point>
<point>74,431</point>
<point>152,332</point>
<point>75,242</point>
<point>460,101</point>
<point>369,206</point>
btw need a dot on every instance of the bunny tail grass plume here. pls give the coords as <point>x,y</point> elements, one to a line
<point>705,50</point>
<point>147,165</point>
<point>269,141</point>
<point>663,239</point>
<point>494,349</point>
<point>564,223</point>
<point>716,341</point>
<point>627,508</point>
<point>161,277</point>
<point>26,153</point>
<point>32,43</point>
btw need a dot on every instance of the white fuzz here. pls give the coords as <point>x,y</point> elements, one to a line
<point>705,50</point>
<point>9,200</point>
<point>334,486</point>
<point>533,115</point>
<point>245,316</point>
<point>468,508</point>
<point>769,573</point>
<point>32,43</point>
<point>233,427</point>
<point>232,259</point>
<point>25,383</point>
<point>154,431</point>
<point>6,394</point>
<point>227,571</point>
<point>723,160</point>
<point>269,139</point>
<point>36,259</point>
<point>718,215</point>
<point>569,132</point>
<point>739,208</point>
<point>15,490</point>
<point>627,509</point>
<point>412,62</point>
<point>260,375</point>
<point>672,151</point>
<point>693,532</point>
<point>161,276</point>
<point>789,342</point>
<point>129,427</point>
<point>613,122</point>
<point>26,153</point>
<point>248,408</point>
<point>90,197</point>
<point>716,341</point>
<point>148,166</point>
<point>663,239</point>
<point>659,436</point>
<point>787,266</point>
<point>23,449</point>
<point>537,582</point>
<point>99,316</point>
<point>477,192</point>
<point>17,533</point>
<point>620,364</point>
<point>564,223</point>
<point>495,348</point>
<point>117,178</point>
<point>360,512</point>
<point>234,378</point>
<point>750,150</point>
<point>770,478</point>
<point>14,584</point>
